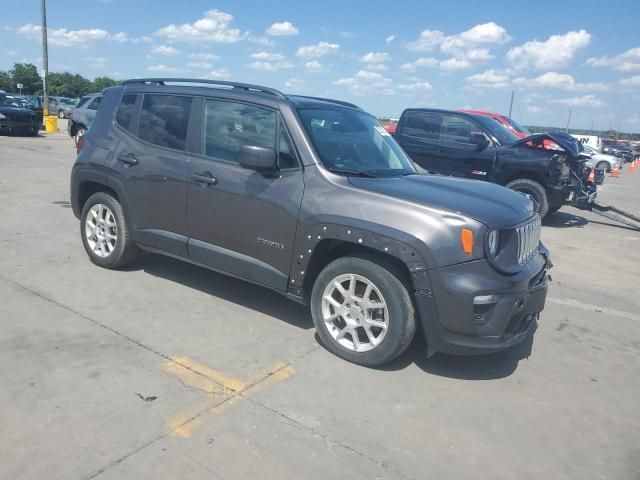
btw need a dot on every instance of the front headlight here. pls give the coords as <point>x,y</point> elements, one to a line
<point>2,117</point>
<point>493,241</point>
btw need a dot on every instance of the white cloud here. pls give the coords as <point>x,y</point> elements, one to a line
<point>62,37</point>
<point>416,87</point>
<point>556,51</point>
<point>389,40</point>
<point>161,68</point>
<point>204,56</point>
<point>200,65</point>
<point>489,79</point>
<point>483,34</point>
<point>366,82</point>
<point>536,109</point>
<point>314,66</point>
<point>478,55</point>
<point>282,29</point>
<point>427,41</point>
<point>213,27</point>
<point>98,63</point>
<point>453,63</point>
<point>165,50</point>
<point>219,73</point>
<point>294,83</point>
<point>428,62</point>
<point>625,62</point>
<point>269,61</point>
<point>318,50</point>
<point>631,81</point>
<point>375,57</point>
<point>376,67</point>
<point>584,101</point>
<point>561,81</point>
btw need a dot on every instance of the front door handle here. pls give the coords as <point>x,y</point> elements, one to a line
<point>129,158</point>
<point>205,178</point>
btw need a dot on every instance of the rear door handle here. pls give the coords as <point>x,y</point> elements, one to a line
<point>205,178</point>
<point>129,158</point>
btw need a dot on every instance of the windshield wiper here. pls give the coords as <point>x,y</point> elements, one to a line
<point>358,173</point>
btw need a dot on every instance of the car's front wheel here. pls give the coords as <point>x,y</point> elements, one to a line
<point>105,232</point>
<point>362,310</point>
<point>60,113</point>
<point>603,166</point>
<point>534,190</point>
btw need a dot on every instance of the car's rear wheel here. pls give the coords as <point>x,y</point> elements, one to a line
<point>362,310</point>
<point>603,166</point>
<point>105,232</point>
<point>534,190</point>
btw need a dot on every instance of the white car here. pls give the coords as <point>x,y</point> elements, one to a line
<point>599,160</point>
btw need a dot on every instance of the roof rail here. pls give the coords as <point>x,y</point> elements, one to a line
<point>241,86</point>
<point>330,100</point>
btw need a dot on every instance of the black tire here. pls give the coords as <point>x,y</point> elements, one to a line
<point>34,132</point>
<point>61,114</point>
<point>402,320</point>
<point>533,188</point>
<point>125,250</point>
<point>603,166</point>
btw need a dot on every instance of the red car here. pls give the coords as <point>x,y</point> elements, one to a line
<point>517,129</point>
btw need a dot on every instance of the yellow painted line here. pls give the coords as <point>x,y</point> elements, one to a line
<point>223,391</point>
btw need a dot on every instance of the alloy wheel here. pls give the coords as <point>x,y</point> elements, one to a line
<point>101,230</point>
<point>355,312</point>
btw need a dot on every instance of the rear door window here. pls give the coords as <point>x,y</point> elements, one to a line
<point>230,125</point>
<point>423,125</point>
<point>164,120</point>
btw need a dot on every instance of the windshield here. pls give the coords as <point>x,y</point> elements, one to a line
<point>69,101</point>
<point>498,130</point>
<point>515,125</point>
<point>353,142</point>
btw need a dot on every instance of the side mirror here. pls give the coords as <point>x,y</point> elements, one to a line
<point>480,140</point>
<point>261,159</point>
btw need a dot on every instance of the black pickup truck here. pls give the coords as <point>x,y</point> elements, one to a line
<point>545,166</point>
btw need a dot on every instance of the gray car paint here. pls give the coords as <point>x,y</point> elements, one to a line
<point>415,220</point>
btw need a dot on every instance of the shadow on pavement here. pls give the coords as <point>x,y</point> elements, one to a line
<point>226,288</point>
<point>564,220</point>
<point>480,367</point>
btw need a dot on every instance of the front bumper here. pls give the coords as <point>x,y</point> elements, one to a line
<point>508,311</point>
<point>8,126</point>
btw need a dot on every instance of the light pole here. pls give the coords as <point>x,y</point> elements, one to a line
<point>45,60</point>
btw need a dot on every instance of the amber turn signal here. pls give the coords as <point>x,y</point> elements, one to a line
<point>466,238</point>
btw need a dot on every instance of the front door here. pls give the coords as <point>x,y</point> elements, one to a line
<point>462,156</point>
<point>241,221</point>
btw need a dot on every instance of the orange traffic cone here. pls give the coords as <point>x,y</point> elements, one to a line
<point>615,172</point>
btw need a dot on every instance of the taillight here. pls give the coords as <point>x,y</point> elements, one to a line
<point>79,143</point>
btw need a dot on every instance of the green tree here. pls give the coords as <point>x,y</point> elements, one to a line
<point>66,84</point>
<point>27,75</point>
<point>100,83</point>
<point>5,82</point>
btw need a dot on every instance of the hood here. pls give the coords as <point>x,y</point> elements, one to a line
<point>571,146</point>
<point>7,109</point>
<point>491,204</point>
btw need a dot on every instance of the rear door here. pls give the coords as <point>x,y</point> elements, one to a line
<point>90,111</point>
<point>241,221</point>
<point>418,134</point>
<point>151,163</point>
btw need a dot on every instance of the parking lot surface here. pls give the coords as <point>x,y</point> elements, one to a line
<point>166,370</point>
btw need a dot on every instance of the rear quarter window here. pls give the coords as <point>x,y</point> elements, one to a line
<point>126,111</point>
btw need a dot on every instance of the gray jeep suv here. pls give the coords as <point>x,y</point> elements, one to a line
<point>314,199</point>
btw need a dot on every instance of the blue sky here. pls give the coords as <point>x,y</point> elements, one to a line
<point>383,55</point>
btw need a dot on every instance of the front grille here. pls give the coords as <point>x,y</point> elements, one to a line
<point>528,238</point>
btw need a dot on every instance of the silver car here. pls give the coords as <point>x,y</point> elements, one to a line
<point>599,160</point>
